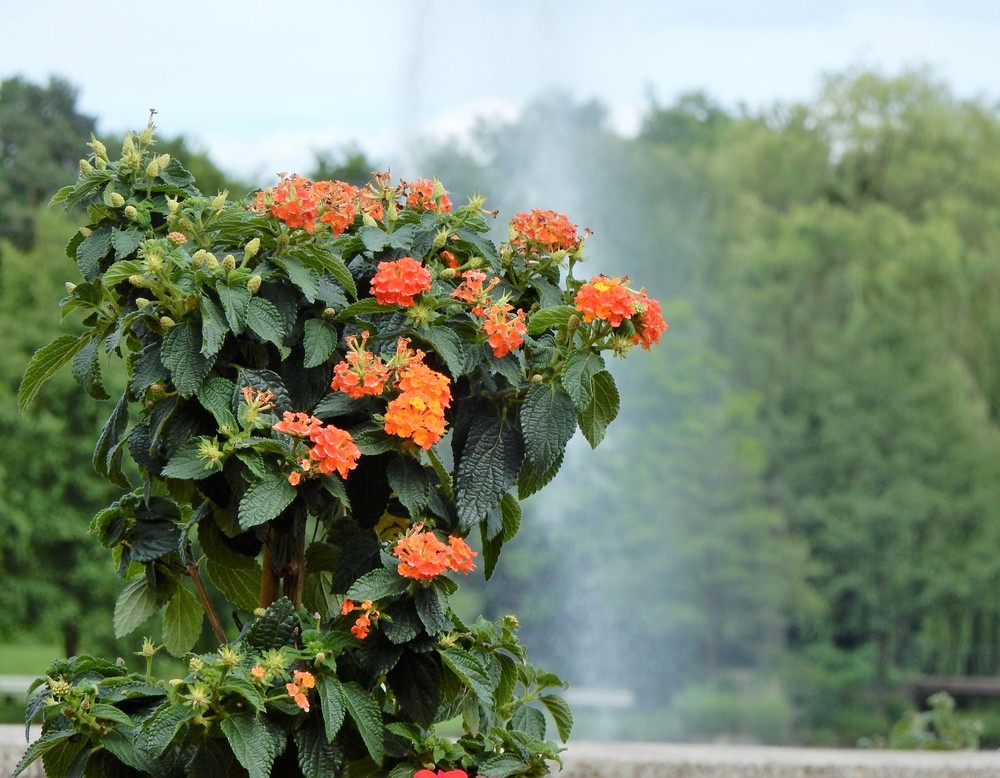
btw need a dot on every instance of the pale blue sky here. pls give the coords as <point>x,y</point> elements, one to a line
<point>261,88</point>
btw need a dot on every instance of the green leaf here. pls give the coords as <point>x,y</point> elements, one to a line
<point>264,500</point>
<point>488,467</point>
<point>216,396</point>
<point>374,238</point>
<point>276,628</point>
<point>317,756</point>
<point>45,363</point>
<point>108,450</point>
<point>159,729</point>
<point>561,714</point>
<point>378,584</point>
<point>234,301</point>
<point>408,480</point>
<point>332,405</point>
<point>181,622</point>
<point>432,608</point>
<point>471,672</point>
<point>416,684</point>
<point>529,720</point>
<point>530,480</point>
<point>319,339</point>
<point>510,516</point>
<point>335,266</point>
<point>214,326</point>
<point>187,463</point>
<point>577,376</point>
<point>449,346</point>
<point>365,713</point>
<point>91,251</point>
<point>364,307</point>
<point>550,318</point>
<point>264,319</point>
<point>304,278</point>
<point>122,271</point>
<point>331,702</point>
<point>135,604</point>
<point>181,355</point>
<point>502,766</point>
<point>236,575</point>
<point>251,742</point>
<point>602,409</point>
<point>126,241</point>
<point>548,421</point>
<point>47,742</point>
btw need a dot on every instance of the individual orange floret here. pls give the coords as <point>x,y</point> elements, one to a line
<point>427,195</point>
<point>297,690</point>
<point>605,298</point>
<point>333,450</point>
<point>545,231</point>
<point>398,282</point>
<point>505,332</point>
<point>648,320</point>
<point>361,372</point>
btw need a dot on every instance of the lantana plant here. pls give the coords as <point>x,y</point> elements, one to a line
<point>329,389</point>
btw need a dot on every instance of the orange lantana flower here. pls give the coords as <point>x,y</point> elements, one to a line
<point>297,690</point>
<point>398,282</point>
<point>648,320</point>
<point>545,231</point>
<point>423,556</point>
<point>427,195</point>
<point>505,332</point>
<point>333,450</point>
<point>361,373</point>
<point>605,298</point>
<point>418,412</point>
<point>299,425</point>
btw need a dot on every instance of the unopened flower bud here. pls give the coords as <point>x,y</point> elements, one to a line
<point>185,225</point>
<point>116,200</point>
<point>510,622</point>
<point>163,160</point>
<point>537,378</point>
<point>153,169</point>
<point>258,612</point>
<point>138,281</point>
<point>441,238</point>
<point>198,258</point>
<point>101,164</point>
<point>251,249</point>
<point>448,273</point>
<point>148,648</point>
<point>166,322</point>
<point>131,213</point>
<point>211,262</point>
<point>100,151</point>
<point>253,284</point>
<point>173,205</point>
<point>195,664</point>
<point>141,302</point>
<point>128,145</point>
<point>574,323</point>
<point>229,656</point>
<point>320,657</point>
<point>219,202</point>
<point>146,136</point>
<point>86,232</point>
<point>329,313</point>
<point>476,203</point>
<point>229,263</point>
<point>85,167</point>
<point>157,388</point>
<point>369,220</point>
<point>70,286</point>
<point>476,262</point>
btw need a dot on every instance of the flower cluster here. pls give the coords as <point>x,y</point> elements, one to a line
<point>543,231</point>
<point>610,300</point>
<point>361,372</point>
<point>399,281</point>
<point>418,411</point>
<point>440,774</point>
<point>423,556</point>
<point>426,195</point>
<point>505,332</point>
<point>333,449</point>
<point>363,623</point>
<point>302,204</point>
<point>298,688</point>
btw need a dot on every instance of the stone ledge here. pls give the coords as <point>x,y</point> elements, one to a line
<point>652,760</point>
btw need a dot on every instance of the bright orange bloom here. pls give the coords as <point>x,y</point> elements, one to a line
<point>449,259</point>
<point>299,425</point>
<point>339,204</point>
<point>419,379</point>
<point>361,372</point>
<point>606,298</point>
<point>505,332</point>
<point>544,231</point>
<point>361,628</point>
<point>423,198</point>
<point>304,679</point>
<point>347,607</point>
<point>293,201</point>
<point>398,282</point>
<point>413,416</point>
<point>370,203</point>
<point>648,320</point>
<point>300,698</point>
<point>258,672</point>
<point>333,450</point>
<point>423,556</point>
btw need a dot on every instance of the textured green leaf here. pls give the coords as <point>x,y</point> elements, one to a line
<point>264,319</point>
<point>187,462</point>
<point>363,308</point>
<point>181,355</point>
<point>159,729</point>
<point>216,396</point>
<point>550,318</point>
<point>126,241</point>
<point>365,713</point>
<point>47,742</point>
<point>214,326</point>
<point>602,409</point>
<point>377,584</point>
<point>530,480</point>
<point>276,628</point>
<point>250,741</point>
<point>91,251</point>
<point>317,756</point>
<point>374,238</point>
<point>45,363</point>
<point>135,604</point>
<point>416,684</point>
<point>234,301</point>
<point>528,720</point>
<point>122,271</point>
<point>432,608</point>
<point>264,500</point>
<point>236,575</point>
<point>181,622</point>
<point>108,450</point>
<point>319,339</point>
<point>304,278</point>
<point>409,481</point>
<point>577,376</point>
<point>548,421</point>
<point>331,702</point>
<point>503,766</point>
<point>449,346</point>
<point>471,672</point>
<point>490,461</point>
<point>561,714</point>
<point>335,266</point>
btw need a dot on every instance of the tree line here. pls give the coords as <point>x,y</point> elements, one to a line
<point>799,506</point>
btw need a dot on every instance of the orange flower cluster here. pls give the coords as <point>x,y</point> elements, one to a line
<point>363,623</point>
<point>398,282</point>
<point>472,291</point>
<point>544,231</point>
<point>505,332</point>
<point>297,690</point>
<point>333,449</point>
<point>361,372</point>
<point>440,774</point>
<point>424,557</point>
<point>418,412</point>
<point>422,197</point>
<point>302,204</point>
<point>612,301</point>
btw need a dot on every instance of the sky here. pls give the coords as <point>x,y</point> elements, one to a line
<point>262,86</point>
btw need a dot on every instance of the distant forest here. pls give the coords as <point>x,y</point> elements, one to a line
<point>798,511</point>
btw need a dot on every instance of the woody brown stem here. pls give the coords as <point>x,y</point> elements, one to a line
<point>206,604</point>
<point>268,580</point>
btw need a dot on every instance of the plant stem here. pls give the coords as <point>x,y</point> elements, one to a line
<point>206,604</point>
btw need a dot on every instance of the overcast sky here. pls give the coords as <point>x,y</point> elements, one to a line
<point>261,85</point>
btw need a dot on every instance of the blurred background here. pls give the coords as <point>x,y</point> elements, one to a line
<point>791,533</point>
